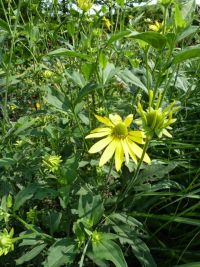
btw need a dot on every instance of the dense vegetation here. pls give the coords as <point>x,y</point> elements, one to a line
<point>99,136</point>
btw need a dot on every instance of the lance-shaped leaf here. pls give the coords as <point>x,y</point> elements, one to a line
<point>188,53</point>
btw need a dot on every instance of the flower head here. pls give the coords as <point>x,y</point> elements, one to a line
<point>85,5</point>
<point>118,140</point>
<point>156,27</point>
<point>107,23</point>
<point>155,120</point>
<point>52,163</point>
<point>6,241</point>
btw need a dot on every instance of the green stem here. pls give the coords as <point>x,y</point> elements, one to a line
<point>8,68</point>
<point>147,68</point>
<point>134,178</point>
<point>30,227</point>
<point>84,252</point>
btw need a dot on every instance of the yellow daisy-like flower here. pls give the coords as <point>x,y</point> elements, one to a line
<point>117,140</point>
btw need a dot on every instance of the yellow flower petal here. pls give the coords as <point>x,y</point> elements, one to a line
<point>98,130</point>
<point>126,150</point>
<point>166,133</point>
<point>138,134</point>
<point>115,119</point>
<point>131,153</point>
<point>136,139</point>
<point>138,151</point>
<point>100,145</point>
<point>97,135</point>
<point>108,152</point>
<point>104,120</point>
<point>128,120</point>
<point>119,156</point>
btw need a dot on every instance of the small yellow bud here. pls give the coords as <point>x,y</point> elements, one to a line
<point>85,5</point>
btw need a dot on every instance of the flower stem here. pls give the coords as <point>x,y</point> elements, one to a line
<point>84,252</point>
<point>134,178</point>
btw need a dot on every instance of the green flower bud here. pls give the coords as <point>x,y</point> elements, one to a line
<point>85,5</point>
<point>96,237</point>
<point>51,163</point>
<point>6,242</point>
<point>156,120</point>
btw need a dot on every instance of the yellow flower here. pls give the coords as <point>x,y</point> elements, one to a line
<point>6,241</point>
<point>107,23</point>
<point>85,5</point>
<point>156,27</point>
<point>37,105</point>
<point>117,140</point>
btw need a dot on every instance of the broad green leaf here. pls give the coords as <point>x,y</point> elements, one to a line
<point>77,78</point>
<point>23,195</point>
<point>90,208</point>
<point>108,73</point>
<point>52,220</point>
<point>156,171</point>
<point>98,262</point>
<point>107,249</point>
<point>154,39</point>
<point>191,264</point>
<point>180,22</point>
<point>68,53</point>
<point>30,254</point>
<point>118,36</point>
<point>129,220</point>
<point>128,77</point>
<point>103,61</point>
<point>188,53</point>
<point>187,32</point>
<point>58,100</point>
<point>6,162</point>
<point>89,88</point>
<point>62,252</point>
<point>187,10</point>
<point>70,169</point>
<point>23,124</point>
<point>120,3</point>
<point>64,192</point>
<point>88,69</point>
<point>4,25</point>
<point>125,231</point>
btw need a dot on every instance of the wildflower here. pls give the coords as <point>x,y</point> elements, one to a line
<point>37,105</point>
<point>85,5</point>
<point>156,120</point>
<point>52,163</point>
<point>117,140</point>
<point>107,23</point>
<point>47,74</point>
<point>6,241</point>
<point>156,27</point>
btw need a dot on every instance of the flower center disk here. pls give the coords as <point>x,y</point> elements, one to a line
<point>120,130</point>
